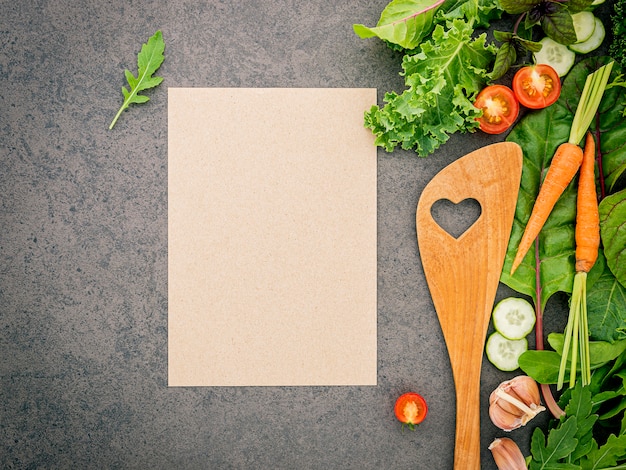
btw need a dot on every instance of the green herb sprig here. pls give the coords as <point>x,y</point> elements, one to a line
<point>149,60</point>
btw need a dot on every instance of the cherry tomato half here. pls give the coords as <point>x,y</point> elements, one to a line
<point>500,108</point>
<point>537,86</point>
<point>411,409</point>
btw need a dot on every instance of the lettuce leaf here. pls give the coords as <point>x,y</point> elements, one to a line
<point>403,22</point>
<point>442,80</point>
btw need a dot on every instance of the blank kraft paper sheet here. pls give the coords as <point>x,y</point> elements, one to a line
<point>271,237</point>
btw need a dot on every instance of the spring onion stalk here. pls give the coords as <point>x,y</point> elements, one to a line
<point>590,98</point>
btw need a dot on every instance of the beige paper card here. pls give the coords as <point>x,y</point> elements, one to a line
<point>271,237</point>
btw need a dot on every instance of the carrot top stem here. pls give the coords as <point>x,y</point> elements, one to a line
<point>590,98</point>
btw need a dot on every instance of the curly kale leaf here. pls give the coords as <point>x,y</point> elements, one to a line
<point>442,80</point>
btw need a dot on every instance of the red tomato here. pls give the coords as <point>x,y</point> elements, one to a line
<point>411,409</point>
<point>537,86</point>
<point>500,108</point>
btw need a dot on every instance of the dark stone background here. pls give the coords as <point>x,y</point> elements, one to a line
<point>83,248</point>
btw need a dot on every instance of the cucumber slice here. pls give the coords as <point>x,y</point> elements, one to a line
<point>593,42</point>
<point>504,353</point>
<point>597,2</point>
<point>556,55</point>
<point>514,318</point>
<point>584,24</point>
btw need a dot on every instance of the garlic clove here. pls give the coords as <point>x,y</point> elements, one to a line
<point>503,419</point>
<point>507,454</point>
<point>514,403</point>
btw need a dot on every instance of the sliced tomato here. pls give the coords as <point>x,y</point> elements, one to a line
<point>537,86</point>
<point>500,108</point>
<point>411,409</point>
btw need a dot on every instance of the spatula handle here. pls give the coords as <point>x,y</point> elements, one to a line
<point>467,441</point>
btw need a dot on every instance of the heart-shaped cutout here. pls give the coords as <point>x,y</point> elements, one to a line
<point>456,219</point>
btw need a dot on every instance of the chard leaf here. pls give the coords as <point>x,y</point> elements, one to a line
<point>442,79</point>
<point>539,134</point>
<point>613,233</point>
<point>403,22</point>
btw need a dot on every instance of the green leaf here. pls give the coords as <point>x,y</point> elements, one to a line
<point>606,309</point>
<point>539,134</point>
<point>480,13</point>
<point>442,79</point>
<point>558,25</point>
<point>505,57</point>
<point>574,6</point>
<point>515,7</point>
<point>607,455</point>
<point>543,366</point>
<point>149,60</point>
<point>580,406</point>
<point>403,22</point>
<point>613,233</point>
<point>560,443</point>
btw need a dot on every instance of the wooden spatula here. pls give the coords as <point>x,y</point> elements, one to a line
<point>463,273</point>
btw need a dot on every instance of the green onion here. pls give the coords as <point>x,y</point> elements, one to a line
<point>589,102</point>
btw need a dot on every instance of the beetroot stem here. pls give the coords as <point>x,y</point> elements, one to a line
<point>546,391</point>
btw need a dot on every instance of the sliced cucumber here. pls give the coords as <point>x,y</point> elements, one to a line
<point>593,42</point>
<point>504,353</point>
<point>556,55</point>
<point>514,318</point>
<point>584,24</point>
<point>597,2</point>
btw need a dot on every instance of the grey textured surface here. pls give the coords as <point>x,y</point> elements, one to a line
<point>83,248</point>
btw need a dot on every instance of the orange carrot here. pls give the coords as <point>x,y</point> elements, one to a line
<point>565,164</point>
<point>587,245</point>
<point>587,216</point>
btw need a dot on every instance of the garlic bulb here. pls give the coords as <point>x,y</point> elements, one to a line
<point>507,454</point>
<point>514,403</point>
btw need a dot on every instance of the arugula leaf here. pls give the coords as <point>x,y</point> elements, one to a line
<point>613,233</point>
<point>560,443</point>
<point>581,406</point>
<point>149,60</point>
<point>607,455</point>
<point>403,22</point>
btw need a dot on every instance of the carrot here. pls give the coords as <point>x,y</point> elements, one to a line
<point>587,245</point>
<point>565,162</point>
<point>587,215</point>
<point>564,165</point>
